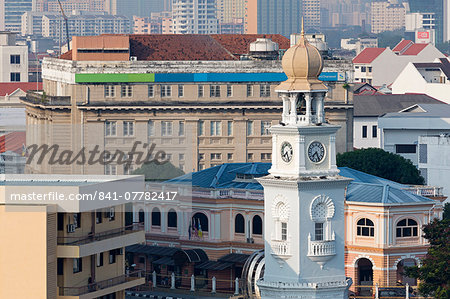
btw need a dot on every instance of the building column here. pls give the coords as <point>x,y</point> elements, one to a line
<point>308,107</point>
<point>293,114</point>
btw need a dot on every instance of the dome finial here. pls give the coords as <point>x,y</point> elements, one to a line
<point>303,28</point>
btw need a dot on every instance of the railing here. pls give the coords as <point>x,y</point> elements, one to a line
<point>81,240</point>
<point>321,248</point>
<point>229,193</point>
<point>426,190</point>
<point>92,287</point>
<point>384,292</point>
<point>39,97</point>
<point>281,248</point>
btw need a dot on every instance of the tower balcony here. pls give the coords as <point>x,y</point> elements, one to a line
<point>281,248</point>
<point>321,251</point>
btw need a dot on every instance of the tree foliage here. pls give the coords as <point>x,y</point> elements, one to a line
<point>390,38</point>
<point>378,162</point>
<point>154,171</point>
<point>434,273</point>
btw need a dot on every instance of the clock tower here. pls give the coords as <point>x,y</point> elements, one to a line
<point>303,194</point>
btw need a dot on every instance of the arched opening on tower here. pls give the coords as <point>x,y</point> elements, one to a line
<point>401,277</point>
<point>365,276</point>
<point>141,216</point>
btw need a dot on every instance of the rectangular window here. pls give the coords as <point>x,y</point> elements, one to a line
<point>249,90</point>
<point>15,59</point>
<point>110,169</point>
<point>370,69</point>
<point>264,90</point>
<point>99,259</point>
<point>180,157</point>
<point>405,148</point>
<point>126,91</point>
<point>166,128</point>
<point>151,91</point>
<point>166,91</point>
<point>364,131</point>
<point>201,128</point>
<point>216,156</point>
<point>112,256</point>
<point>77,265</point>
<point>374,131</point>
<point>180,91</point>
<point>109,91</point>
<point>98,217</point>
<point>250,156</point>
<point>201,93</point>
<point>181,128</point>
<point>363,69</point>
<point>230,156</point>
<point>151,128</point>
<point>77,220</point>
<point>266,156</point>
<point>110,128</point>
<point>230,128</point>
<point>249,128</point>
<point>423,153</point>
<point>214,91</point>
<point>284,231</point>
<point>128,169</point>
<point>318,230</point>
<point>216,128</point>
<point>201,166</point>
<point>229,91</point>
<point>265,125</point>
<point>128,128</point>
<point>201,156</point>
<point>60,265</point>
<point>15,77</point>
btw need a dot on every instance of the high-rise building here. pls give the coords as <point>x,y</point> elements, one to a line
<point>14,59</point>
<point>229,10</point>
<point>387,16</point>
<point>194,17</point>
<point>11,12</point>
<point>139,8</point>
<point>273,16</point>
<point>311,14</point>
<point>440,9</point>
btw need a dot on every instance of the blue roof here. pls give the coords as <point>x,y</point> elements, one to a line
<point>364,187</point>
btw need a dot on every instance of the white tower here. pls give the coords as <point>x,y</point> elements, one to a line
<point>303,195</point>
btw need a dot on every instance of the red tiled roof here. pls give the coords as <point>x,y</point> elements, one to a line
<point>177,47</point>
<point>401,45</point>
<point>8,88</point>
<point>415,49</point>
<point>368,55</point>
<point>13,141</point>
<point>67,55</point>
<point>240,43</point>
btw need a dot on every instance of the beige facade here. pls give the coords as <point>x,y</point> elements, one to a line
<point>387,16</point>
<point>197,124</point>
<point>228,10</point>
<point>69,249</point>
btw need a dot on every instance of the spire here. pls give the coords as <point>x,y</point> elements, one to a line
<point>303,28</point>
<point>302,40</point>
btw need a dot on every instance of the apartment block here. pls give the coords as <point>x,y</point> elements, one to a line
<point>70,248</point>
<point>13,59</point>
<point>194,17</point>
<point>229,10</point>
<point>11,12</point>
<point>311,14</point>
<point>387,16</point>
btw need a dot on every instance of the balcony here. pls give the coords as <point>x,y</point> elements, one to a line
<point>75,247</point>
<point>40,98</point>
<point>321,251</point>
<point>104,287</point>
<point>281,249</point>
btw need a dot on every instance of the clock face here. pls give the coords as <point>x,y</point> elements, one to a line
<point>286,152</point>
<point>316,152</point>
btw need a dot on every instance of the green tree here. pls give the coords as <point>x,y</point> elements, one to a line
<point>434,273</point>
<point>159,172</point>
<point>383,164</point>
<point>390,38</point>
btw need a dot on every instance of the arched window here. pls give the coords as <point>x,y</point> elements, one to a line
<point>257,225</point>
<point>172,218</point>
<point>239,224</point>
<point>199,220</point>
<point>407,228</point>
<point>156,217</point>
<point>365,227</point>
<point>141,216</point>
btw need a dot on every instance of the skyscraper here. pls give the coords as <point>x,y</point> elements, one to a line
<point>11,12</point>
<point>273,16</point>
<point>194,17</point>
<point>432,6</point>
<point>228,10</point>
<point>311,14</point>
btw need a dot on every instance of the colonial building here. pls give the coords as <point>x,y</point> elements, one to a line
<point>205,100</point>
<point>70,248</point>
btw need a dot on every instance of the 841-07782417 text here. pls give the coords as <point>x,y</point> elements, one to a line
<point>138,196</point>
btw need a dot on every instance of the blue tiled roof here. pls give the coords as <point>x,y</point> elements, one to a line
<point>364,187</point>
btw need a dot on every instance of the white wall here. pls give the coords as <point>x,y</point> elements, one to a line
<point>369,141</point>
<point>6,68</point>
